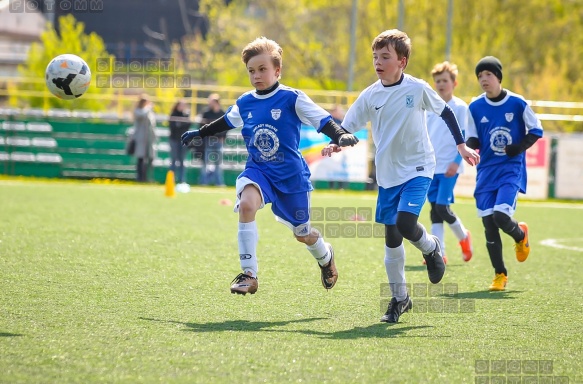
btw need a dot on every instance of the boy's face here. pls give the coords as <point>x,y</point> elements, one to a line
<point>387,64</point>
<point>444,85</point>
<point>262,72</point>
<point>489,83</point>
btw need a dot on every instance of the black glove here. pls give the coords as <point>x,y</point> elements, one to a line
<point>347,139</point>
<point>188,136</point>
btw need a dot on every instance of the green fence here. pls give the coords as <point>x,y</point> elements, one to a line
<point>87,149</point>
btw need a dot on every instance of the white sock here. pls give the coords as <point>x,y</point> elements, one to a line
<point>458,230</point>
<point>437,229</point>
<point>426,244</point>
<point>248,237</point>
<point>320,251</point>
<point>395,267</point>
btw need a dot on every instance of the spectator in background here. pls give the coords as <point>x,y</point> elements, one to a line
<point>179,123</point>
<point>212,170</point>
<point>337,113</point>
<point>144,136</point>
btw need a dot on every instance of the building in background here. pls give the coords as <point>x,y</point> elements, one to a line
<point>18,30</point>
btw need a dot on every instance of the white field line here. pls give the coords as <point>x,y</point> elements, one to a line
<point>556,243</point>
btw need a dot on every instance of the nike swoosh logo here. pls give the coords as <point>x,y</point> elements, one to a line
<point>412,205</point>
<point>377,108</point>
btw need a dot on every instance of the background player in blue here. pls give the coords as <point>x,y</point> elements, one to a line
<point>405,162</point>
<point>504,128</point>
<point>448,161</point>
<point>271,117</point>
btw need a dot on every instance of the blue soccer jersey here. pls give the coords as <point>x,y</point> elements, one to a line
<point>496,125</point>
<point>271,129</point>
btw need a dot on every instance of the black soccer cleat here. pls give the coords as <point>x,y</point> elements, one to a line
<point>396,309</point>
<point>435,264</point>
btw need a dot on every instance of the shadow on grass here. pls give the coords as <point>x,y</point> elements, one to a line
<point>381,330</point>
<point>236,325</point>
<point>484,295</point>
<point>421,267</point>
<point>6,334</point>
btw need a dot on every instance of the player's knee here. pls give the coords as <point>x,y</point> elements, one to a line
<point>247,207</point>
<point>445,213</point>
<point>501,219</point>
<point>407,225</point>
<point>490,227</point>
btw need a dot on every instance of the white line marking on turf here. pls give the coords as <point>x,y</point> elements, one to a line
<point>556,243</point>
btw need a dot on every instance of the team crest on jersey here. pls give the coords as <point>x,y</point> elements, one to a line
<point>499,138</point>
<point>509,116</point>
<point>267,142</point>
<point>275,113</point>
<point>409,101</point>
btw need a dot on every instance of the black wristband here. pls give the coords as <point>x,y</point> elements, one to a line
<point>333,131</point>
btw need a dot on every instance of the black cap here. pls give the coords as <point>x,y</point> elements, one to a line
<point>492,64</point>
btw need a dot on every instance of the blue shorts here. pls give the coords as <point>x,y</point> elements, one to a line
<point>408,197</point>
<point>441,189</point>
<point>291,209</point>
<point>502,200</point>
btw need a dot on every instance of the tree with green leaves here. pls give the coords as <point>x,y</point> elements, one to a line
<point>70,39</point>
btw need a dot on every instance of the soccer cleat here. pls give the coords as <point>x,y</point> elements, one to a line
<point>499,282</point>
<point>329,273</point>
<point>522,248</point>
<point>444,260</point>
<point>435,264</point>
<point>467,249</point>
<point>396,309</point>
<point>243,284</point>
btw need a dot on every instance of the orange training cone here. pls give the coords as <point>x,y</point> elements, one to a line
<point>170,189</point>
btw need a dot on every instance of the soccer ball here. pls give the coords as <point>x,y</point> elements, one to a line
<point>67,76</point>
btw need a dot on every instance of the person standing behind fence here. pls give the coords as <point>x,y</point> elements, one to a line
<point>212,172</point>
<point>144,136</point>
<point>179,123</point>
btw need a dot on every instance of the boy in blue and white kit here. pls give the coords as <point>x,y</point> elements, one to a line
<point>448,161</point>
<point>504,128</point>
<point>405,161</point>
<point>271,117</point>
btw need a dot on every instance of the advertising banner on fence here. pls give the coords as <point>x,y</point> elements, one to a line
<point>351,164</point>
<point>537,166</point>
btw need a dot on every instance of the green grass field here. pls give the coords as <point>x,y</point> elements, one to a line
<point>119,284</point>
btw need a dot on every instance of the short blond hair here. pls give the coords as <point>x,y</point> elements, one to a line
<point>446,66</point>
<point>260,46</point>
<point>395,38</point>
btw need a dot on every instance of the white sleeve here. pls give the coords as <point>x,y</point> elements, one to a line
<point>530,120</point>
<point>310,113</point>
<point>471,130</point>
<point>462,114</point>
<point>234,117</point>
<point>357,115</point>
<point>431,100</point>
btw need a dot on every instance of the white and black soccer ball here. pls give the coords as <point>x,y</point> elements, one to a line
<point>68,76</point>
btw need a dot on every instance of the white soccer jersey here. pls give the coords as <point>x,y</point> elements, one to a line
<point>399,129</point>
<point>443,142</point>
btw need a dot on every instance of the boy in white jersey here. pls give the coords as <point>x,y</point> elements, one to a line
<point>271,117</point>
<point>405,162</point>
<point>448,161</point>
<point>504,128</point>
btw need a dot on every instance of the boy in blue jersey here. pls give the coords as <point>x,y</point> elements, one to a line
<point>405,162</point>
<point>448,161</point>
<point>504,128</point>
<point>271,117</point>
